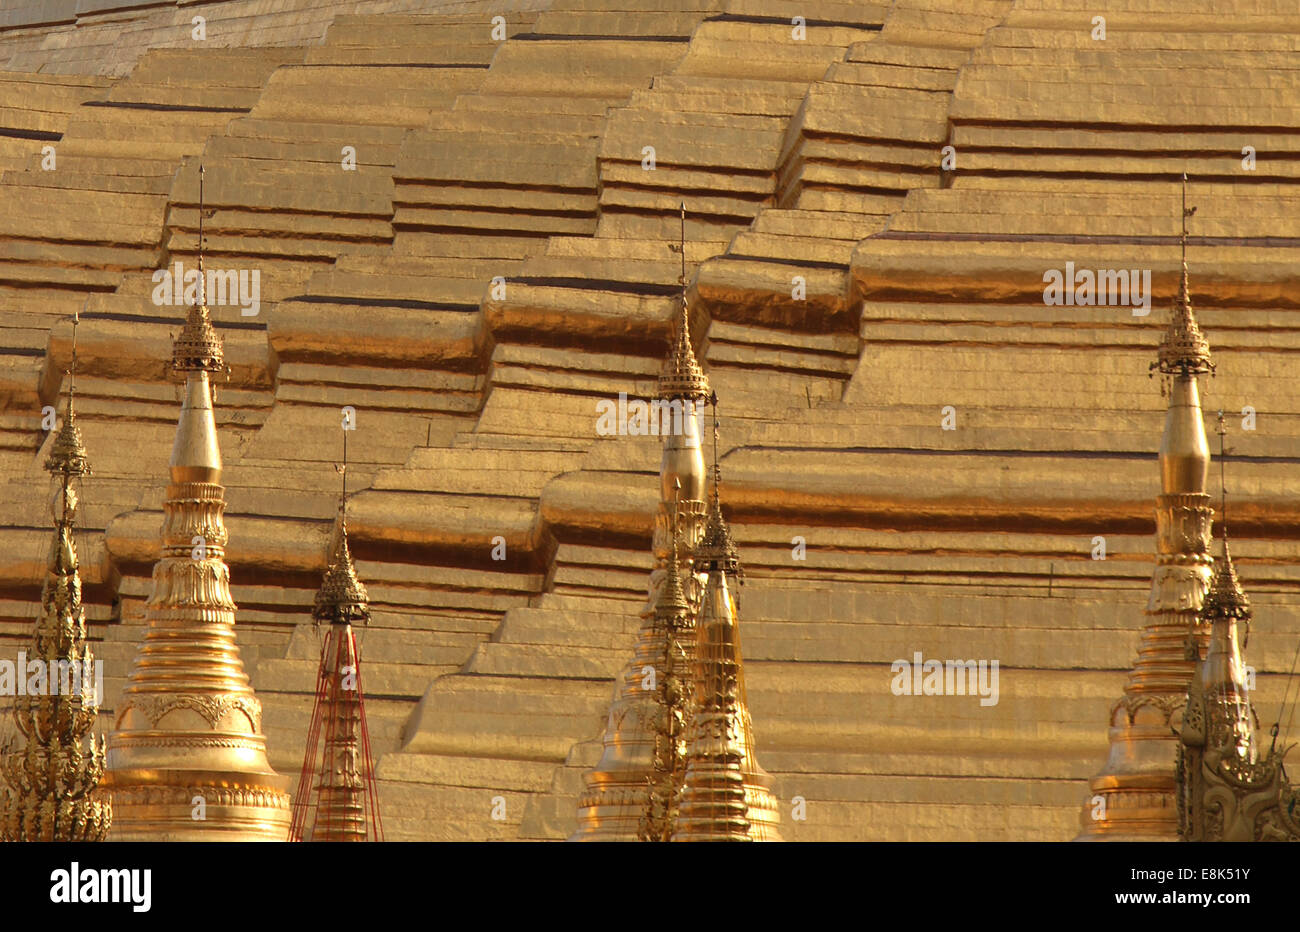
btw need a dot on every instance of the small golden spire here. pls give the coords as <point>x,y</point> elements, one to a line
<point>1184,348</point>
<point>712,804</point>
<point>720,769</point>
<point>1231,719</point>
<point>1225,598</point>
<point>717,548</point>
<point>681,376</point>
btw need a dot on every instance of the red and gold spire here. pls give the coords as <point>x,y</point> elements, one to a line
<point>339,785</point>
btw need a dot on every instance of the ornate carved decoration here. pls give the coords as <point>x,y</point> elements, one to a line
<point>212,708</point>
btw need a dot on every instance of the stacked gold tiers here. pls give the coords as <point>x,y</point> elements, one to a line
<point>187,758</point>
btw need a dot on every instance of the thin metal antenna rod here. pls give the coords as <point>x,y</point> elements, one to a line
<point>72,368</point>
<point>717,468</point>
<point>203,290</point>
<point>682,242</point>
<point>1185,216</point>
<point>1222,431</point>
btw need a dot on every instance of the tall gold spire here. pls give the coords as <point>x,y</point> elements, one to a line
<point>187,758</point>
<point>1133,798</point>
<point>615,802</point>
<point>343,787</point>
<point>51,781</point>
<point>725,795</point>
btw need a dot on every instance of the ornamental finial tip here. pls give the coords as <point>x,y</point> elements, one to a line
<point>1183,349</point>
<point>681,376</point>
<point>67,455</point>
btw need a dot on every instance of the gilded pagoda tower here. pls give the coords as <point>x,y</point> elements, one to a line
<point>51,774</point>
<point>725,795</point>
<point>618,794</point>
<point>614,804</point>
<point>341,789</point>
<point>187,758</point>
<point>1133,798</point>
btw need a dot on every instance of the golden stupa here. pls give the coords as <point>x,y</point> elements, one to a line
<point>617,790</point>
<point>463,230</point>
<point>186,757</point>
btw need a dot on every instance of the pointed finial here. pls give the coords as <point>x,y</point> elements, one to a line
<point>1226,598</point>
<point>1184,349</point>
<point>68,453</point>
<point>343,475</point>
<point>72,368</point>
<point>342,598</point>
<point>717,549</point>
<point>681,376</point>
<point>198,347</point>
<point>203,297</point>
<point>1183,290</point>
<point>717,470</point>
